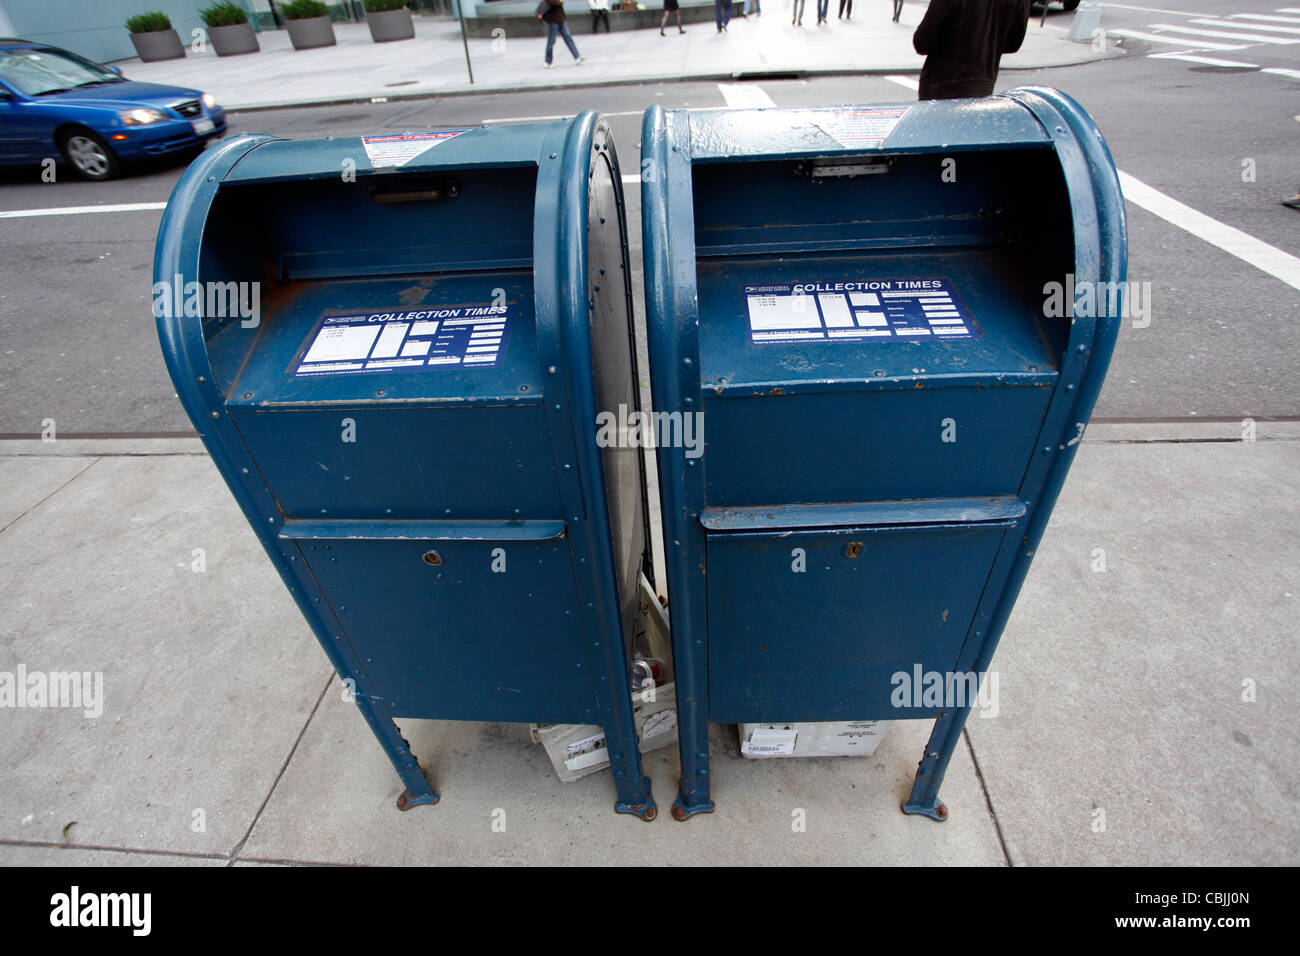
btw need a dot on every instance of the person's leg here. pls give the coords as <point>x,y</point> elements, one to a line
<point>551,29</point>
<point>898,9</point>
<point>568,40</point>
<point>717,14</point>
<point>680,28</point>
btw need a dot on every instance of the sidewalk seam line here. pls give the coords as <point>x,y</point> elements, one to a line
<point>92,464</point>
<point>988,798</point>
<point>44,844</point>
<point>234,854</point>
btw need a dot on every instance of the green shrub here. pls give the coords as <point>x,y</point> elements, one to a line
<point>303,9</point>
<point>379,6</point>
<point>223,14</point>
<point>153,22</point>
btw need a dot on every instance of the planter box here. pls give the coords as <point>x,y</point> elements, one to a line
<point>233,40</point>
<point>390,25</point>
<point>311,32</point>
<point>158,45</point>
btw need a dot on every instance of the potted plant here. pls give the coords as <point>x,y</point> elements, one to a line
<point>389,20</point>
<point>153,37</point>
<point>229,29</point>
<point>308,22</point>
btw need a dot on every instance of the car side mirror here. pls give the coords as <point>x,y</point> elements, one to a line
<point>114,69</point>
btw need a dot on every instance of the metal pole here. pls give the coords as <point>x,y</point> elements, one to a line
<point>460,15</point>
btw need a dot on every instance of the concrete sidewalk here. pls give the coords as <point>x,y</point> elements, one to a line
<point>1166,584</point>
<point>433,63</point>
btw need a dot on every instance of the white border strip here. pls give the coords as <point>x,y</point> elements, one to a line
<point>1281,265</point>
<point>81,210</point>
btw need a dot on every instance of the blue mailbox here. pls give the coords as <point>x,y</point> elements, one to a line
<point>408,417</point>
<point>858,301</point>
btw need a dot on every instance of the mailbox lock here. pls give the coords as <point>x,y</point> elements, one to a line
<point>433,558</point>
<point>853,550</point>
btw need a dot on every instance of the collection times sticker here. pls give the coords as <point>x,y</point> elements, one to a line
<point>855,311</point>
<point>406,339</point>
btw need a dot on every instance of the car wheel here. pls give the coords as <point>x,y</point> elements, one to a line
<point>89,155</point>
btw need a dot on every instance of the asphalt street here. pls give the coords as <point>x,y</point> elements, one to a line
<point>78,344</point>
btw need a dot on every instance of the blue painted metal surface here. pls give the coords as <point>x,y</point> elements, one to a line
<point>865,507</point>
<point>457,541</point>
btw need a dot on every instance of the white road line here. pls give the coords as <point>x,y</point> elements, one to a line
<point>1288,9</point>
<point>1153,38</point>
<point>745,96</point>
<point>1294,74</point>
<point>1268,27</point>
<point>1207,60</point>
<point>80,210</point>
<point>1270,259</point>
<point>1177,13</point>
<point>911,82</point>
<point>630,179</point>
<point>544,119</point>
<point>1221,34</point>
<point>1294,26</point>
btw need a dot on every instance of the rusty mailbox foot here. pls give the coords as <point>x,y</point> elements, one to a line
<point>934,810</point>
<point>682,812</point>
<point>646,811</point>
<point>406,801</point>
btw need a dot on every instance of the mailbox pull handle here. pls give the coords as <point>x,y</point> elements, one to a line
<point>445,190</point>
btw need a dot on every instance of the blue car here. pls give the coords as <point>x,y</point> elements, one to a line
<point>55,103</point>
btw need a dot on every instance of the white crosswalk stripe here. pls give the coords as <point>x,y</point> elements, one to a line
<point>1269,27</point>
<point>1221,34</point>
<point>745,96</point>
<point>1176,41</point>
<point>1202,33</point>
<point>1206,60</point>
<point>1265,16</point>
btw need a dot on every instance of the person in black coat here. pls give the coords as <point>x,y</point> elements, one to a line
<point>963,41</point>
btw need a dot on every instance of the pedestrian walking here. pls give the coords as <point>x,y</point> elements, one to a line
<point>823,11</point>
<point>670,6</point>
<point>797,19</point>
<point>898,9</point>
<point>757,7</point>
<point>963,43</point>
<point>843,4</point>
<point>552,13</point>
<point>599,14</point>
<point>722,13</point>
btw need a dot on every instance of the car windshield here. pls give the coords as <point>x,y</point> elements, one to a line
<point>40,70</point>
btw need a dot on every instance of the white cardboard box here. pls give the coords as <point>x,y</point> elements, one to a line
<point>845,738</point>
<point>577,750</point>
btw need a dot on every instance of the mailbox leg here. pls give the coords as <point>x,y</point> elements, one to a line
<point>693,748</point>
<point>417,792</point>
<point>632,786</point>
<point>934,764</point>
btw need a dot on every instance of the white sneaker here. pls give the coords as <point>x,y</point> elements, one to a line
<point>548,66</point>
<point>581,59</point>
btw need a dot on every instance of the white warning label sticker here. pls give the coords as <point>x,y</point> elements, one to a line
<point>924,308</point>
<point>400,149</point>
<point>865,127</point>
